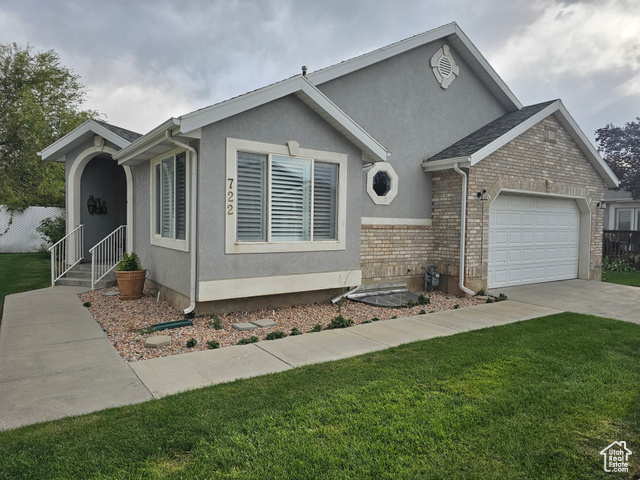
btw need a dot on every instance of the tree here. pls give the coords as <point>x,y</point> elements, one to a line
<point>620,148</point>
<point>39,103</point>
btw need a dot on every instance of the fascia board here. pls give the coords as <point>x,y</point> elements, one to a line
<point>152,138</point>
<point>487,150</point>
<point>446,164</point>
<point>486,66</point>
<point>363,139</point>
<point>234,106</point>
<point>587,147</point>
<point>88,126</point>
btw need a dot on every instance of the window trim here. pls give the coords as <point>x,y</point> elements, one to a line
<point>157,239</point>
<point>233,246</point>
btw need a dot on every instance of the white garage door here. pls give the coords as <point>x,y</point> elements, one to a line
<point>532,240</point>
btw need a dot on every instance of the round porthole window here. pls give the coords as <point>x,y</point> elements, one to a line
<point>382,183</point>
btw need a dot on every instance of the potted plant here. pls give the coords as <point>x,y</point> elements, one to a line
<point>130,277</point>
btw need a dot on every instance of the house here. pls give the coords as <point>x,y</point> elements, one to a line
<point>622,212</point>
<point>360,173</point>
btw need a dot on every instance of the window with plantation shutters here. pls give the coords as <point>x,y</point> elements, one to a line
<point>285,199</point>
<point>325,183</point>
<point>290,199</point>
<point>169,209</point>
<point>252,197</point>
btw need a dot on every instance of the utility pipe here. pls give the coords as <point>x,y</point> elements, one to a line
<point>193,219</point>
<point>463,224</point>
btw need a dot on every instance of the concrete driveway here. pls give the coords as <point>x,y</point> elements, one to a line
<point>582,296</point>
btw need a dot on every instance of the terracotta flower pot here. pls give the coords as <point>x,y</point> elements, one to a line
<point>131,284</point>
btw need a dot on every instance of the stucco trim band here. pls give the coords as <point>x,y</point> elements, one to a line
<point>211,290</point>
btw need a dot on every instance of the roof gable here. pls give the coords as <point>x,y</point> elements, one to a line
<point>454,35</point>
<point>85,132</point>
<point>298,85</point>
<point>486,140</point>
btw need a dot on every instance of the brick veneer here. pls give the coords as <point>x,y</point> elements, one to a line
<point>528,163</point>
<point>391,253</point>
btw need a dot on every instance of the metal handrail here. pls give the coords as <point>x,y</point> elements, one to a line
<point>107,253</point>
<point>66,253</point>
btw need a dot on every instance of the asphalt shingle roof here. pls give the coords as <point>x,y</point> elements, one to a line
<point>122,132</point>
<point>490,132</point>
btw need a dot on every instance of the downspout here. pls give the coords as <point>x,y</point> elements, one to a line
<point>193,220</point>
<point>463,224</point>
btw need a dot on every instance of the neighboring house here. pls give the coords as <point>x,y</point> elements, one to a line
<point>622,212</point>
<point>358,173</point>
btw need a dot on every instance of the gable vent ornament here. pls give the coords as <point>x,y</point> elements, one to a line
<point>444,67</point>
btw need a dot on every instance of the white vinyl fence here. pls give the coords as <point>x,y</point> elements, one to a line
<point>18,234</point>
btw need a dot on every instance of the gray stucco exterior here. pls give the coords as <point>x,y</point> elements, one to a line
<point>167,267</point>
<point>276,123</point>
<point>401,104</point>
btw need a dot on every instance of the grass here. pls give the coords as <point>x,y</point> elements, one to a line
<point>22,272</point>
<point>534,399</point>
<point>623,278</point>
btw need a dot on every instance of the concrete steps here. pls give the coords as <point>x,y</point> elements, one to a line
<point>80,276</point>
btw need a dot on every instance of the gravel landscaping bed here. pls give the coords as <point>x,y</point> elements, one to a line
<point>127,322</point>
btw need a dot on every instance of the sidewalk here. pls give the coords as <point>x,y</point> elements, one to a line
<point>55,361</point>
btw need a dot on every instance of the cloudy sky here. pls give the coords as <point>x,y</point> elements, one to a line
<point>145,61</point>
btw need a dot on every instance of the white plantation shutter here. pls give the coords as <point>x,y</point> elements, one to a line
<point>290,199</point>
<point>252,197</point>
<point>181,196</point>
<point>325,181</point>
<point>168,198</point>
<point>158,200</point>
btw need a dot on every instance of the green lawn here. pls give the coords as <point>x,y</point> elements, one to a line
<point>20,272</point>
<point>623,278</point>
<point>534,399</point>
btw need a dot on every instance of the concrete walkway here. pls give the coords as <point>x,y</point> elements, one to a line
<point>55,361</point>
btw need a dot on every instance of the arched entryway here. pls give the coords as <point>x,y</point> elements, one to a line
<point>105,181</point>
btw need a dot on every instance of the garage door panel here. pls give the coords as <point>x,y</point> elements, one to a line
<point>532,239</point>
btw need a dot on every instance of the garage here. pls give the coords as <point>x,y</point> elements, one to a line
<point>532,240</point>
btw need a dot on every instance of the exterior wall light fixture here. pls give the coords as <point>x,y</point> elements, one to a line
<point>601,205</point>
<point>482,195</point>
<point>96,206</point>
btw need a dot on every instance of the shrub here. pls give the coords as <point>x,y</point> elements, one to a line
<point>192,343</point>
<point>275,335</point>
<point>247,341</point>
<point>422,300</point>
<point>619,264</point>
<point>316,328</point>
<point>422,312</point>
<point>375,319</point>
<point>456,306</point>
<point>52,229</point>
<point>130,263</point>
<point>394,317</point>
<point>339,322</point>
<point>295,331</point>
<point>216,323</point>
<point>213,344</point>
<point>86,304</point>
<point>489,300</point>
<point>480,293</point>
<point>501,298</point>
<point>365,321</point>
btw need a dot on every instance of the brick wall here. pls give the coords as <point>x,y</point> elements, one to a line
<point>526,164</point>
<point>392,253</point>
<point>531,164</point>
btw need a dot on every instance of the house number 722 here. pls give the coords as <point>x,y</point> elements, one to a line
<point>230,197</point>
